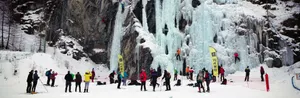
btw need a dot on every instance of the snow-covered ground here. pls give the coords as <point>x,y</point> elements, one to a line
<point>15,86</point>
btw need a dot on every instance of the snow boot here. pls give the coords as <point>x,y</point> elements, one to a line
<point>84,91</point>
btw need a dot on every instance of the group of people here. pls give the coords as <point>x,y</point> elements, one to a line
<point>32,78</point>
<point>69,78</point>
<point>88,76</point>
<point>153,79</point>
<point>203,76</point>
<point>189,72</point>
<point>51,75</point>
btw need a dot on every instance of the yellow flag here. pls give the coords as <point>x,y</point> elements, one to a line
<point>214,59</point>
<point>121,64</point>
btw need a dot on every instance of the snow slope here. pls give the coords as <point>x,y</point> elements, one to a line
<point>14,86</point>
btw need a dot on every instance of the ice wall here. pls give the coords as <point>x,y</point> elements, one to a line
<point>208,20</point>
<point>117,37</point>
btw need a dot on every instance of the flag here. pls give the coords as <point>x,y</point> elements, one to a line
<point>214,59</point>
<point>121,64</point>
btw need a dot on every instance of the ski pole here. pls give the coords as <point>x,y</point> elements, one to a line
<point>43,85</point>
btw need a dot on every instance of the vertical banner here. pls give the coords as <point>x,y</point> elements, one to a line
<point>214,59</point>
<point>121,64</point>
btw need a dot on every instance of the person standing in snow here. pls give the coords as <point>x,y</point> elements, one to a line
<point>69,79</point>
<point>87,79</point>
<point>247,70</point>
<point>236,57</point>
<point>154,76</point>
<point>29,81</point>
<point>35,80</point>
<point>119,76</point>
<point>175,74</point>
<point>93,75</point>
<point>191,73</point>
<point>53,77</point>
<point>111,77</point>
<point>78,81</point>
<point>207,78</point>
<point>167,77</point>
<point>262,72</point>
<point>143,78</point>
<point>159,71</point>
<point>199,81</point>
<point>222,71</point>
<point>48,74</point>
<point>178,54</point>
<point>124,79</point>
<point>187,71</point>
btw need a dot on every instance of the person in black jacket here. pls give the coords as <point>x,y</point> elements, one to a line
<point>111,77</point>
<point>48,74</point>
<point>167,77</point>
<point>247,70</point>
<point>29,81</point>
<point>78,81</point>
<point>154,76</point>
<point>119,80</point>
<point>68,78</point>
<point>35,80</point>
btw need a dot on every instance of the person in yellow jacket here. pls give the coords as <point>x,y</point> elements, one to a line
<point>87,78</point>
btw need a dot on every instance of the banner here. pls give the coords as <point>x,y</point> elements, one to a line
<point>214,59</point>
<point>121,64</point>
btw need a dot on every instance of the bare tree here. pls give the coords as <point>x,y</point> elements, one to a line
<point>2,36</point>
<point>10,22</point>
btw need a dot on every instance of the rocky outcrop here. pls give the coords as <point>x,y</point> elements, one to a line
<point>89,21</point>
<point>150,12</point>
<point>138,11</point>
<point>136,57</point>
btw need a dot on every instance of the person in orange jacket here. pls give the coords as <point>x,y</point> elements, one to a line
<point>178,54</point>
<point>187,71</point>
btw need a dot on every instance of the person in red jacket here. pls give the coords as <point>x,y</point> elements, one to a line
<point>262,72</point>
<point>222,71</point>
<point>191,73</point>
<point>236,57</point>
<point>93,75</point>
<point>143,78</point>
<point>52,77</point>
<point>207,80</point>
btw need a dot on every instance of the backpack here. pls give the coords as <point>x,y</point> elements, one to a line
<point>47,73</point>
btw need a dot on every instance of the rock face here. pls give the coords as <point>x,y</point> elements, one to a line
<point>150,12</point>
<point>136,57</point>
<point>138,11</point>
<point>89,21</point>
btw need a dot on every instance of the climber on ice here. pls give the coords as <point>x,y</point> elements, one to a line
<point>236,57</point>
<point>123,6</point>
<point>178,54</point>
